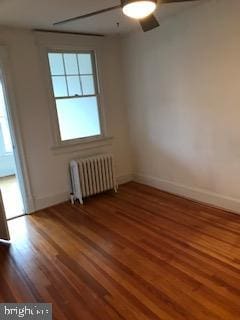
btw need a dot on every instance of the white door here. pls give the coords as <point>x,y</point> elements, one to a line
<point>4,233</point>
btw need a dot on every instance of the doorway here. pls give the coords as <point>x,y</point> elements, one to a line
<point>9,183</point>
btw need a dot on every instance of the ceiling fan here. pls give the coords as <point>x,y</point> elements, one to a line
<point>141,10</point>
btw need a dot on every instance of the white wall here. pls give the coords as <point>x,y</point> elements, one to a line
<point>48,168</point>
<point>183,89</point>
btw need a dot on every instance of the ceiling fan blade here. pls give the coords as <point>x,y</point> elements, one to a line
<point>149,23</point>
<point>87,15</point>
<point>172,1</point>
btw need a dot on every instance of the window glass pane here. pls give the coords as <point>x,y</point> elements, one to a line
<point>59,86</point>
<point>88,85</point>
<point>85,63</point>
<point>74,85</point>
<point>56,63</point>
<point>70,60</point>
<point>78,118</point>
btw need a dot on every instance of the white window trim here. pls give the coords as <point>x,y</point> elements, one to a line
<point>59,146</point>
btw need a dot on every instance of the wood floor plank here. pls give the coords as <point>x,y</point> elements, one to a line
<point>138,254</point>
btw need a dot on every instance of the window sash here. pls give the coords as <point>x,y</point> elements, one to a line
<point>65,75</point>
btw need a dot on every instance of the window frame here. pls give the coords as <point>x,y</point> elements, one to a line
<point>97,83</point>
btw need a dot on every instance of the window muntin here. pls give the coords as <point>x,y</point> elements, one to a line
<point>74,83</point>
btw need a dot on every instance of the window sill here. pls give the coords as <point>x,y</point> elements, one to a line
<point>81,145</point>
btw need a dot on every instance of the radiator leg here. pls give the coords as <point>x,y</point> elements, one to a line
<point>81,200</point>
<point>72,198</point>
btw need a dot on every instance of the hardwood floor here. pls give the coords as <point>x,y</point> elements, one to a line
<point>141,254</point>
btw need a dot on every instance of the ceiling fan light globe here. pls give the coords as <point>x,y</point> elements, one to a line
<point>139,9</point>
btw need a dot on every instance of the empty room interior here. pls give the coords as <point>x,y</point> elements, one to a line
<point>120,159</point>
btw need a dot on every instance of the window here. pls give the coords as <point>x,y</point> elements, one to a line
<point>74,83</point>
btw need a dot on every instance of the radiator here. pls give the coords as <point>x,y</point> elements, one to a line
<point>92,175</point>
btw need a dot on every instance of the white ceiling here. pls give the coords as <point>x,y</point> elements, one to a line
<point>42,13</point>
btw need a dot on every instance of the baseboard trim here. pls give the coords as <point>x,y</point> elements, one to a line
<point>124,178</point>
<point>41,203</point>
<point>206,197</point>
<point>210,198</point>
<point>30,205</point>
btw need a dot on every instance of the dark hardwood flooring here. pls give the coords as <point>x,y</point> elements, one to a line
<point>141,254</point>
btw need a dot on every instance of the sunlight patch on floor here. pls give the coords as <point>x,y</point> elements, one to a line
<point>11,195</point>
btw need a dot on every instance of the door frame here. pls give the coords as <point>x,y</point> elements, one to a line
<point>15,130</point>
